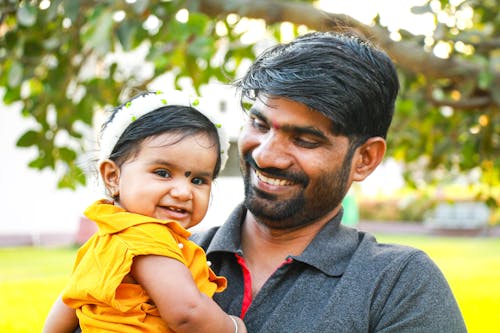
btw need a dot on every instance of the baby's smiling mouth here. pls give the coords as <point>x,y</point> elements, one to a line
<point>173,212</point>
<point>175,209</point>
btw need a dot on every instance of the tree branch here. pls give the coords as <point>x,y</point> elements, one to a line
<point>409,55</point>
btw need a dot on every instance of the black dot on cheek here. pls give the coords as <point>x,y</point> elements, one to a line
<point>187,173</point>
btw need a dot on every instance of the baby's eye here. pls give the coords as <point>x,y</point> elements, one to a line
<point>198,181</point>
<point>162,173</point>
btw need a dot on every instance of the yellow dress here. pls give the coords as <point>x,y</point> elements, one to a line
<point>102,301</point>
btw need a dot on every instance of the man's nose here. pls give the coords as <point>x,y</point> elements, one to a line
<point>272,151</point>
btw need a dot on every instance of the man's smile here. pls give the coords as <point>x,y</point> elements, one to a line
<point>273,181</point>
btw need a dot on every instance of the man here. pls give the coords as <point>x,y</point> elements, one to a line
<point>322,106</point>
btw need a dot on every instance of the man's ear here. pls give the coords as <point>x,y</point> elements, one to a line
<point>110,174</point>
<point>367,157</point>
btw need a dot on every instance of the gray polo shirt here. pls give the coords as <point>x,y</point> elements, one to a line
<point>344,281</point>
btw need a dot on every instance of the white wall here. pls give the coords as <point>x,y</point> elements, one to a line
<point>29,200</point>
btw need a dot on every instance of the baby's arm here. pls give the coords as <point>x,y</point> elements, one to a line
<point>61,318</point>
<point>182,306</point>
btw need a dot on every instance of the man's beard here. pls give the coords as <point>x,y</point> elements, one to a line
<point>302,209</point>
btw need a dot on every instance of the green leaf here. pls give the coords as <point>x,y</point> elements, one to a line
<point>33,48</point>
<point>26,15</point>
<point>79,176</point>
<point>53,9</point>
<point>28,139</point>
<point>140,6</point>
<point>12,95</point>
<point>201,47</point>
<point>15,74</point>
<point>71,9</point>
<point>420,10</point>
<point>125,33</point>
<point>51,43</point>
<point>38,163</point>
<point>36,87</point>
<point>485,79</point>
<point>67,154</point>
<point>73,176</point>
<point>495,68</point>
<point>98,35</point>
<point>495,93</point>
<point>491,202</point>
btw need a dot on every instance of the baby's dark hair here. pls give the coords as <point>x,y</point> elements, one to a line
<point>179,120</point>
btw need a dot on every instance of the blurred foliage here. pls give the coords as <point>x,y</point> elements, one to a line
<point>408,205</point>
<point>60,61</point>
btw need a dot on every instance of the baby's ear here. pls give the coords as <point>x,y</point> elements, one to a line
<point>367,157</point>
<point>110,174</point>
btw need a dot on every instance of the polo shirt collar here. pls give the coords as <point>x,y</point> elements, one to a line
<point>330,251</point>
<point>332,248</point>
<point>228,237</point>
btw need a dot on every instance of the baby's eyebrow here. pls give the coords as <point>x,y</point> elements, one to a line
<point>201,174</point>
<point>187,173</point>
<point>160,162</point>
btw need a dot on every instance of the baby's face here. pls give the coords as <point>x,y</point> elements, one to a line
<point>169,179</point>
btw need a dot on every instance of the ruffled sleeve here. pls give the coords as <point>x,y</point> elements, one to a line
<point>106,259</point>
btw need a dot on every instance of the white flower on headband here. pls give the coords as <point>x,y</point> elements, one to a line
<point>149,102</point>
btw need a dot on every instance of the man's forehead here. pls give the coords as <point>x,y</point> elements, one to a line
<point>278,107</point>
<point>279,118</point>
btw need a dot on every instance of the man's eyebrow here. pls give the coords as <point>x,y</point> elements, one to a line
<point>310,130</point>
<point>254,112</point>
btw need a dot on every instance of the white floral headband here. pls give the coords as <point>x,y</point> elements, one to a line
<point>149,102</point>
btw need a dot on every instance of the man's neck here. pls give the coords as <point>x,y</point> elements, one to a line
<point>265,249</point>
<point>256,235</point>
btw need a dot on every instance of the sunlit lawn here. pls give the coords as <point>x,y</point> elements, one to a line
<point>31,278</point>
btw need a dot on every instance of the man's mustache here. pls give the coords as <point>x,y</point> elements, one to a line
<point>299,178</point>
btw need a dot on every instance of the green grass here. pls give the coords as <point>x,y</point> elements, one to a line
<point>31,278</point>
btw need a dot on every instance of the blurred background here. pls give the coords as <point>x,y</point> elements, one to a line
<point>63,63</point>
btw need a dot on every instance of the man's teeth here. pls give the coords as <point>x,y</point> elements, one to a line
<point>176,209</point>
<point>273,181</point>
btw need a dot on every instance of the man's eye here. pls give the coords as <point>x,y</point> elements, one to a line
<point>259,124</point>
<point>162,173</point>
<point>305,143</point>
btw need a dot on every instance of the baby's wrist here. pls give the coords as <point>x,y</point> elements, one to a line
<point>239,325</point>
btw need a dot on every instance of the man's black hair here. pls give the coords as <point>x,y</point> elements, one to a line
<point>343,77</point>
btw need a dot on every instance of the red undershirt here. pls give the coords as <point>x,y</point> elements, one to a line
<point>247,283</point>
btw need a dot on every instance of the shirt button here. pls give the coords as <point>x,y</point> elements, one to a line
<point>209,263</point>
<point>180,245</point>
